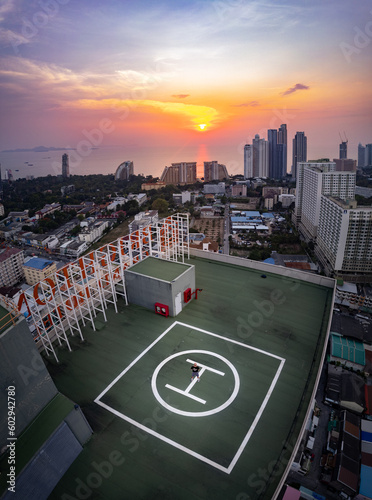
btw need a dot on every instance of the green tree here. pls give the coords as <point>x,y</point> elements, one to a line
<point>161,205</point>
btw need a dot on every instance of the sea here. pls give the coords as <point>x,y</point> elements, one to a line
<point>147,160</point>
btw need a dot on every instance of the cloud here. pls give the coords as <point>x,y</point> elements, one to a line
<point>252,104</point>
<point>6,7</point>
<point>298,86</point>
<point>180,96</point>
<point>193,113</point>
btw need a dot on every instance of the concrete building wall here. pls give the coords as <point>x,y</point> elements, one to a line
<point>145,291</point>
<point>22,367</point>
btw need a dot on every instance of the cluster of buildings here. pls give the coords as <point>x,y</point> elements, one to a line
<point>186,173</point>
<point>327,214</point>
<point>268,158</point>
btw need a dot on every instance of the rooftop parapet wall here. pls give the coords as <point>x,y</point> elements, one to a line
<point>267,268</point>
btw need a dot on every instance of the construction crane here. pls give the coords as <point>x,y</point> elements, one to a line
<point>346,140</point>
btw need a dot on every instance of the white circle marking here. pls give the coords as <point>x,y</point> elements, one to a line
<point>195,413</point>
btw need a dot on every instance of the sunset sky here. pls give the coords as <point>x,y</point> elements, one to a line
<point>174,72</point>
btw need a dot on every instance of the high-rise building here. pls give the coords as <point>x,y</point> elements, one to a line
<point>8,175</point>
<point>272,137</point>
<point>343,150</point>
<point>179,173</point>
<point>299,151</point>
<point>214,171</point>
<point>315,179</point>
<point>256,158</point>
<point>282,139</point>
<point>124,171</point>
<point>65,166</point>
<point>1,185</point>
<point>277,152</point>
<point>248,161</point>
<point>361,155</point>
<point>344,241</point>
<point>368,156</point>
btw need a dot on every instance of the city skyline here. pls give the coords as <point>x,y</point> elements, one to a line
<point>210,72</point>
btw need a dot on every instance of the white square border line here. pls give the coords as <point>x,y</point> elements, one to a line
<point>236,457</point>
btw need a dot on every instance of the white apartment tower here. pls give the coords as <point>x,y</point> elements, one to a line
<point>256,158</point>
<point>315,179</point>
<point>344,241</point>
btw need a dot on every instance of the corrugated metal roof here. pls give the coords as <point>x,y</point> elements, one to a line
<point>38,263</point>
<point>347,349</point>
<point>365,487</point>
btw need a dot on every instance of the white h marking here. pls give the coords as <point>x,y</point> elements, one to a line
<point>192,383</point>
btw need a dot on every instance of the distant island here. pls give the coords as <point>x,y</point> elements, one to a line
<point>38,149</point>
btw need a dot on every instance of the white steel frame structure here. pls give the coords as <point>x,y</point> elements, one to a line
<point>76,293</point>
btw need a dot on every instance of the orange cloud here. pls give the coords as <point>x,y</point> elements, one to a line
<point>192,114</point>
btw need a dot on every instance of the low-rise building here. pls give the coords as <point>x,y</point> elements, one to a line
<point>47,210</point>
<point>207,245</point>
<point>215,188</point>
<point>287,199</point>
<point>116,202</point>
<point>73,248</point>
<point>348,352</point>
<point>181,198</point>
<point>239,190</point>
<point>347,294</point>
<point>143,219</point>
<point>92,231</point>
<point>206,212</point>
<point>37,269</point>
<point>140,198</point>
<point>148,186</point>
<point>18,216</point>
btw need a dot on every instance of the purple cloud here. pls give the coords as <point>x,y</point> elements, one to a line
<point>180,96</point>
<point>298,86</point>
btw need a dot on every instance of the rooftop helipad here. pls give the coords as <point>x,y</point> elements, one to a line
<point>258,339</point>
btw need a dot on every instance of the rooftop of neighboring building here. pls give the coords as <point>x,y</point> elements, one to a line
<point>347,349</point>
<point>6,253</point>
<point>38,263</point>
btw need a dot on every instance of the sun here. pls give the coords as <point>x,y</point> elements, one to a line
<point>202,126</point>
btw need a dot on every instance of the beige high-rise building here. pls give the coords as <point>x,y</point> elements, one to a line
<point>256,158</point>
<point>179,173</point>
<point>214,171</point>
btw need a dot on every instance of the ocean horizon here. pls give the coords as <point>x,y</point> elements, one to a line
<point>147,160</point>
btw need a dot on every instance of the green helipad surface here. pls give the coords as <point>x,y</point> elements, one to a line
<point>160,269</point>
<point>157,435</point>
<point>3,312</point>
